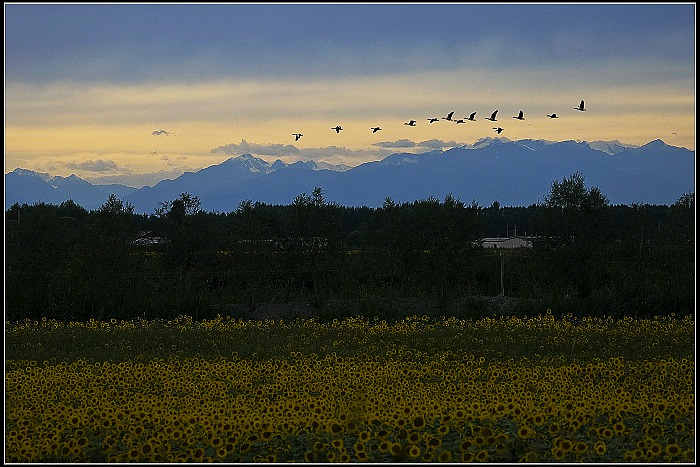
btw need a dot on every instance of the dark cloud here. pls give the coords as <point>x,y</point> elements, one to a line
<point>291,151</point>
<point>195,42</point>
<point>438,144</point>
<point>276,150</point>
<point>169,159</point>
<point>319,153</point>
<point>162,133</point>
<point>400,143</point>
<point>328,153</point>
<point>430,144</point>
<point>93,166</point>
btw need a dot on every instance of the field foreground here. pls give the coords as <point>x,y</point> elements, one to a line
<point>509,389</point>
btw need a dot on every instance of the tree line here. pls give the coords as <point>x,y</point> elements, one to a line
<point>588,257</point>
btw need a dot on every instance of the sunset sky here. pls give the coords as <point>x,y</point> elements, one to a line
<point>136,93</point>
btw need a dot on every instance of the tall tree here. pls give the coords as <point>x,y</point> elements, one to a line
<point>114,205</point>
<point>102,260</point>
<point>188,246</point>
<point>316,228</point>
<point>576,221</point>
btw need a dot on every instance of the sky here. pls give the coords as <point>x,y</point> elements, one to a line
<point>137,93</point>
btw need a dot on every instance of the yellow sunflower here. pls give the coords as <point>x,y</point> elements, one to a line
<point>525,432</point>
<point>558,453</point>
<point>673,450</point>
<point>600,448</point>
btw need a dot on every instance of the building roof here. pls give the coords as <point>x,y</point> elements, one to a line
<point>506,242</point>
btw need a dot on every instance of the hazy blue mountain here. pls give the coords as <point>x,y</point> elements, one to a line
<point>86,194</point>
<point>25,186</point>
<point>514,173</point>
<point>207,183</point>
<point>199,183</point>
<point>278,187</point>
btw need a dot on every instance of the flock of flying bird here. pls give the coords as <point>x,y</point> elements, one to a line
<point>471,117</point>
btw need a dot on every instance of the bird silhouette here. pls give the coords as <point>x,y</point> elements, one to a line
<point>520,116</point>
<point>431,120</point>
<point>411,123</point>
<point>492,117</point>
<point>498,130</point>
<point>471,117</point>
<point>337,129</point>
<point>297,136</point>
<point>459,121</point>
<point>580,107</point>
<point>375,129</point>
<point>449,116</point>
<point>552,116</point>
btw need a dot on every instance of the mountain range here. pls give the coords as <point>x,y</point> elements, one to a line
<point>514,173</point>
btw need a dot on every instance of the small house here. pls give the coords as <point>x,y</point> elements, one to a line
<point>147,237</point>
<point>506,242</point>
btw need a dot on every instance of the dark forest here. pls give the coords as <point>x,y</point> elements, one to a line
<point>587,258</point>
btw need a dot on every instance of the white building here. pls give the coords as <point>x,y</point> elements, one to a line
<point>147,237</point>
<point>507,242</point>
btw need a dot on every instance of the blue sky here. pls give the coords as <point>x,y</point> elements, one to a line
<point>87,83</point>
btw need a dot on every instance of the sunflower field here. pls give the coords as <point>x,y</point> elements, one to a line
<point>499,389</point>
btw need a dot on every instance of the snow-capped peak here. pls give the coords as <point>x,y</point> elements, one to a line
<point>253,163</point>
<point>611,147</point>
<point>488,141</point>
<point>320,165</point>
<point>30,173</point>
<point>310,164</point>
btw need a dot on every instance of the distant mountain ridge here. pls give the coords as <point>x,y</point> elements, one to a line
<point>25,186</point>
<point>514,173</point>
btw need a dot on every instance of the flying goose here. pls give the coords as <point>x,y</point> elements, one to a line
<point>411,123</point>
<point>375,129</point>
<point>471,117</point>
<point>297,136</point>
<point>580,107</point>
<point>552,116</point>
<point>449,116</point>
<point>520,116</point>
<point>337,129</point>
<point>492,117</point>
<point>498,130</point>
<point>431,120</point>
<point>459,121</point>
